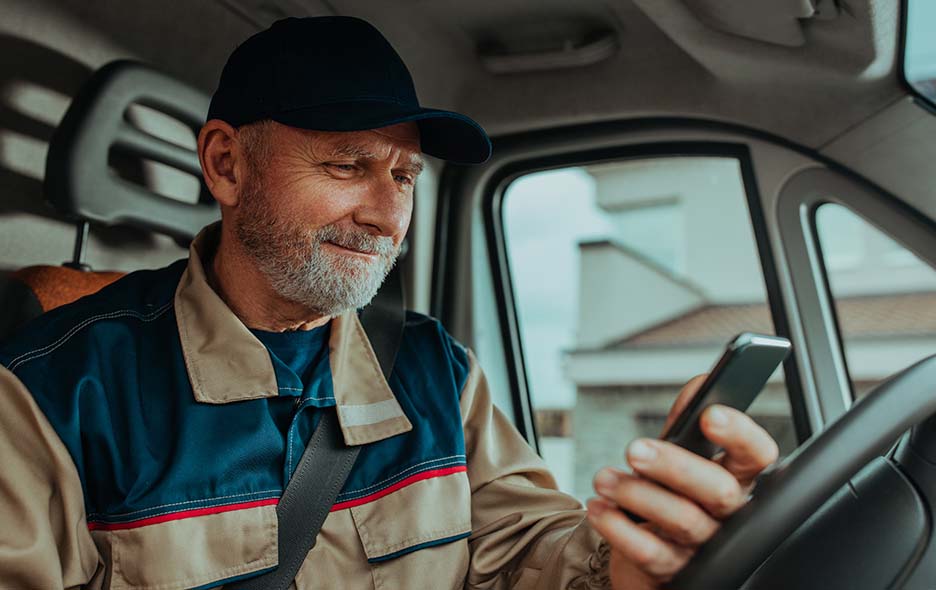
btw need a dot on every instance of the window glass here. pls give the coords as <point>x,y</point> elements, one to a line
<point>920,48</point>
<point>885,297</point>
<point>629,279</point>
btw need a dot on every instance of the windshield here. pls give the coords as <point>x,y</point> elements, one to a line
<point>920,48</point>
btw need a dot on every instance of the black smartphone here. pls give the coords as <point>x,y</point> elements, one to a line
<point>738,376</point>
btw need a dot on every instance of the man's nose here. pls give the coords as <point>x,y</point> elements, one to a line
<point>386,209</point>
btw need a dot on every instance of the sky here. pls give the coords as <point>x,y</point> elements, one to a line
<point>920,61</point>
<point>546,215</point>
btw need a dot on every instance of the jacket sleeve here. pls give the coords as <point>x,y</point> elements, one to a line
<point>525,533</point>
<point>44,540</point>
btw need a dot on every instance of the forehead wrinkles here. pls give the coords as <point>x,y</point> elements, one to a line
<point>401,137</point>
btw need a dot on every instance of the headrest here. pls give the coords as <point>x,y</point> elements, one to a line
<point>78,179</point>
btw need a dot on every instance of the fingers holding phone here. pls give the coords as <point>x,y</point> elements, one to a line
<point>719,426</point>
<point>680,498</point>
<point>739,375</point>
<point>655,518</point>
<point>749,448</point>
<point>678,518</point>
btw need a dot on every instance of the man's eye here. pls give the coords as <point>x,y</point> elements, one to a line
<point>404,179</point>
<point>343,167</point>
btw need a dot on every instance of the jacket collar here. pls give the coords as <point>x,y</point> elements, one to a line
<point>227,363</point>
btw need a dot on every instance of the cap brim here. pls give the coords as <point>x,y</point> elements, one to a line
<point>443,134</point>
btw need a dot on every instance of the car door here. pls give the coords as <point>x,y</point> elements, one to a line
<point>595,269</point>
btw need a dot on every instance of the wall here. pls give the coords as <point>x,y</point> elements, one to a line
<point>621,294</point>
<point>719,254</point>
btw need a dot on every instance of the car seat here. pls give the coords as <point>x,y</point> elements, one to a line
<point>80,182</point>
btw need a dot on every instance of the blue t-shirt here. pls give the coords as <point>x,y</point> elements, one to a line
<point>303,375</point>
<point>303,353</point>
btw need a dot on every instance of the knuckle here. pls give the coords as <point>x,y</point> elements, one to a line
<point>761,440</point>
<point>685,531</point>
<point>645,555</point>
<point>767,443</point>
<point>727,497</point>
<point>629,493</point>
<point>625,491</point>
<point>605,480</point>
<point>596,483</point>
<point>773,452</point>
<point>692,526</point>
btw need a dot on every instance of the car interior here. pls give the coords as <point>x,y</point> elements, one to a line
<point>665,175</point>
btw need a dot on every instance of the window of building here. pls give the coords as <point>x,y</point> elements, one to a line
<point>629,278</point>
<point>885,301</point>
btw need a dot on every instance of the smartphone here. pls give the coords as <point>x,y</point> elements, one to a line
<point>738,376</point>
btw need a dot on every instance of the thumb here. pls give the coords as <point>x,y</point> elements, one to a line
<point>685,395</point>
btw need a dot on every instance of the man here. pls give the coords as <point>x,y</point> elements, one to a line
<point>148,431</point>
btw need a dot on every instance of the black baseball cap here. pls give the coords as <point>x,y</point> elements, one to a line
<point>336,73</point>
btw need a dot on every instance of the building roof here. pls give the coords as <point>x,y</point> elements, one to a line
<point>873,316</point>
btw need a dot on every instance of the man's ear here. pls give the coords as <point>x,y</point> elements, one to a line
<point>219,156</point>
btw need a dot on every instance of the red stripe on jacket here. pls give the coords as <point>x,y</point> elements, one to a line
<point>399,485</point>
<point>104,526</point>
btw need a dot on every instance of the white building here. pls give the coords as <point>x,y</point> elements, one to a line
<point>658,301</point>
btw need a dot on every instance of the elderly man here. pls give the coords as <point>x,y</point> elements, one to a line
<point>147,432</point>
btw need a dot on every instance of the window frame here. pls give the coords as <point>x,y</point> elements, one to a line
<point>495,183</point>
<point>798,203</point>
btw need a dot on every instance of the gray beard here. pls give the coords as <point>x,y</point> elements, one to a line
<point>300,270</point>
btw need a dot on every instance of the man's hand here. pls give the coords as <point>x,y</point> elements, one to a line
<point>682,496</point>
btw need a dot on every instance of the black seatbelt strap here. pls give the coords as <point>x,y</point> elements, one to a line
<point>305,504</point>
<point>327,461</point>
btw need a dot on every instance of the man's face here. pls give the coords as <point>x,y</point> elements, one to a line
<point>323,214</point>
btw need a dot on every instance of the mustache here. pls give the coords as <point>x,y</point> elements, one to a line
<point>356,240</point>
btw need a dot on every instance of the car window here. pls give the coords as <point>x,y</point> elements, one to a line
<point>884,296</point>
<point>920,48</point>
<point>629,278</point>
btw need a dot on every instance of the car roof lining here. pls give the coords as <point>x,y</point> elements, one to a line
<point>670,61</point>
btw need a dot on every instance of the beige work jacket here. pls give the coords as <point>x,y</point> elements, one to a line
<point>524,534</point>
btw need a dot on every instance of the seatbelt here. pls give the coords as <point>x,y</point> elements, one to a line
<point>327,461</point>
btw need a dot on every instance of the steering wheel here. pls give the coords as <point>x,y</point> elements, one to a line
<point>785,498</point>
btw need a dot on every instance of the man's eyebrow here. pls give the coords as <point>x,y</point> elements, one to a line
<point>416,165</point>
<point>349,150</point>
